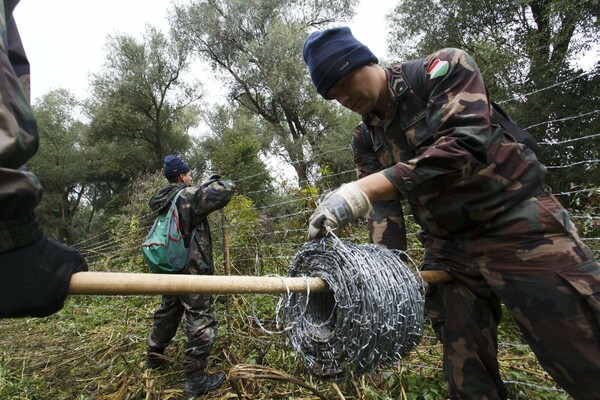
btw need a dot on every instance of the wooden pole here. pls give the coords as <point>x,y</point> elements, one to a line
<point>226,261</point>
<point>113,283</point>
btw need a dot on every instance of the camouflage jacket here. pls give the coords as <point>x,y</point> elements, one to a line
<point>195,203</point>
<point>20,191</point>
<point>444,151</point>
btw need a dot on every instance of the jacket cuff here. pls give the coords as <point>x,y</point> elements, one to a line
<point>401,177</point>
<point>19,232</point>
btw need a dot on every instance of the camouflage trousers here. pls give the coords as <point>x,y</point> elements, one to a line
<point>200,325</point>
<point>532,259</point>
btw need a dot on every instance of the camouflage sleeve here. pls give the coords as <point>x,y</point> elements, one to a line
<point>386,221</point>
<point>208,197</point>
<point>458,118</point>
<point>20,191</point>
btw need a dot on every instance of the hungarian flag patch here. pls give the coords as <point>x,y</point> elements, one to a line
<point>438,68</point>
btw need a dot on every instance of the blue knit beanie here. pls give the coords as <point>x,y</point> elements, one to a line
<point>332,54</point>
<point>174,166</point>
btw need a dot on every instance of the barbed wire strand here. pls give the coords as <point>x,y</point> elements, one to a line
<point>525,95</point>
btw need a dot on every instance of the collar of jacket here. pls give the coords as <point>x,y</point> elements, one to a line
<point>397,82</point>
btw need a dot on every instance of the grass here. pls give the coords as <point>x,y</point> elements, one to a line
<point>95,349</point>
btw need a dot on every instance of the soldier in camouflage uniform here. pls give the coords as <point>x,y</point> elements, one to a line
<point>35,271</point>
<point>486,217</point>
<point>194,205</point>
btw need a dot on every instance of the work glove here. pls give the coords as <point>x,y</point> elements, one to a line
<point>212,179</point>
<point>339,208</point>
<point>34,280</point>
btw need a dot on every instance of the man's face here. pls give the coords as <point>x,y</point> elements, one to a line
<point>359,90</point>
<point>186,178</point>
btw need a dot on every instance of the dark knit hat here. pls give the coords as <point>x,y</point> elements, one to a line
<point>332,54</point>
<point>174,166</point>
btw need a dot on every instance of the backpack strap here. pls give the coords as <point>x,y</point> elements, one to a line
<point>187,238</point>
<point>413,72</point>
<point>174,199</point>
<point>520,134</point>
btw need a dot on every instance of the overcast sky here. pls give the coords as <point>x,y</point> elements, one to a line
<point>65,39</point>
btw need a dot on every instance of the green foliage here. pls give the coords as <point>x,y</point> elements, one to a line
<point>585,206</point>
<point>565,118</point>
<point>141,110</point>
<point>116,247</point>
<point>61,163</point>
<point>77,353</point>
<point>516,40</point>
<point>257,44</point>
<point>234,152</point>
<point>241,223</point>
<point>335,157</point>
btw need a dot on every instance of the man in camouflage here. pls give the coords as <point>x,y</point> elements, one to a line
<point>486,217</point>
<point>35,271</point>
<point>194,205</point>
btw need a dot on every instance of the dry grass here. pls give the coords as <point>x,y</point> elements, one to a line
<point>95,347</point>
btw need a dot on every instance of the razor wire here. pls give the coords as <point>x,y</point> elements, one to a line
<point>371,317</point>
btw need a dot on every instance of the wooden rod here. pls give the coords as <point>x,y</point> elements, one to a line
<point>436,276</point>
<point>113,283</point>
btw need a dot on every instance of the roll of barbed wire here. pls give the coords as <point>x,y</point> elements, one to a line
<point>372,317</point>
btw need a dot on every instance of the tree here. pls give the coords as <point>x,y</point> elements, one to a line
<point>517,42</point>
<point>234,152</point>
<point>141,108</point>
<point>257,44</point>
<point>61,165</point>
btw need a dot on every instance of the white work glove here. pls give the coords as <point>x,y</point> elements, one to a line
<point>340,208</point>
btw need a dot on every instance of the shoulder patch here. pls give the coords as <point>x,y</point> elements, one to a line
<point>438,68</point>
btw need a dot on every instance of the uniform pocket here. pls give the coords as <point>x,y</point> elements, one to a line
<point>552,212</point>
<point>556,215</point>
<point>584,278</point>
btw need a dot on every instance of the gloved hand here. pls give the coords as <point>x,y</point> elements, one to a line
<point>212,179</point>
<point>340,208</point>
<point>34,280</point>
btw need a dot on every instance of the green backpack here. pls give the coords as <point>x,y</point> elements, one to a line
<point>164,248</point>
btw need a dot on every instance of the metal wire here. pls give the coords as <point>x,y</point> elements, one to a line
<point>372,316</point>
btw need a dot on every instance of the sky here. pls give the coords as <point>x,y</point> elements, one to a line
<point>65,39</point>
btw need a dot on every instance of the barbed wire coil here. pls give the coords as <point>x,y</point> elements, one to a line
<point>372,317</point>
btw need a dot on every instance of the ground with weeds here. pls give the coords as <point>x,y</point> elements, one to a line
<point>95,349</point>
